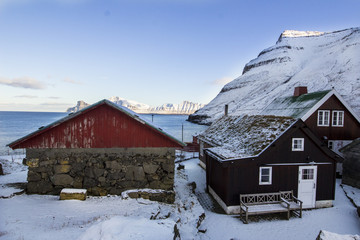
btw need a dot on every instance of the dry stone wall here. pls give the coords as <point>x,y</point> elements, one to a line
<point>100,171</point>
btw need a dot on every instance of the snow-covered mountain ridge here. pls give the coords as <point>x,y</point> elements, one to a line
<point>317,60</point>
<point>185,107</point>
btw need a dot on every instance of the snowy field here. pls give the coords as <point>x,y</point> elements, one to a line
<point>46,217</point>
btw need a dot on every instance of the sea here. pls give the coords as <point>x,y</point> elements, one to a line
<point>14,125</point>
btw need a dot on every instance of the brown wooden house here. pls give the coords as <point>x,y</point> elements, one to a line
<point>263,154</point>
<point>326,113</point>
<point>104,148</point>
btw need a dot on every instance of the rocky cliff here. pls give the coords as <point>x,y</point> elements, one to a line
<point>317,60</point>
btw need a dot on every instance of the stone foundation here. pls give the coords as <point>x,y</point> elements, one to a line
<point>100,171</point>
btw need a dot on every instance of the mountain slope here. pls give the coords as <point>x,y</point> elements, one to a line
<point>317,60</point>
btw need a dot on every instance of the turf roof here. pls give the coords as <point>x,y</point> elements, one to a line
<point>295,107</point>
<point>244,136</point>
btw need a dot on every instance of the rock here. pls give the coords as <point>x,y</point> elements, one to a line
<point>176,233</point>
<point>73,194</point>
<point>135,173</point>
<point>1,170</point>
<point>98,172</point>
<point>64,161</point>
<point>33,162</point>
<point>41,187</point>
<point>89,172</point>
<point>325,235</point>
<point>150,168</point>
<point>62,169</point>
<point>89,183</point>
<point>180,166</point>
<point>33,176</point>
<point>97,191</point>
<point>62,180</point>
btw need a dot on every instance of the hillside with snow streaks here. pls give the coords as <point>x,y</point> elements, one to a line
<point>317,60</point>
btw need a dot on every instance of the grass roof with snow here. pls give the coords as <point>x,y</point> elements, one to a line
<point>295,107</point>
<point>244,136</point>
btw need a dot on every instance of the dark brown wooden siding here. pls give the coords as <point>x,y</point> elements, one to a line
<point>203,157</point>
<point>350,130</point>
<point>243,175</point>
<point>101,127</point>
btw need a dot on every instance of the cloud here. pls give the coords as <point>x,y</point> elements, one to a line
<point>26,96</point>
<point>69,80</point>
<point>223,81</point>
<point>54,104</point>
<point>54,97</point>
<point>23,82</point>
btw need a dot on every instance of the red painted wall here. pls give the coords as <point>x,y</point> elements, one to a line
<point>101,127</point>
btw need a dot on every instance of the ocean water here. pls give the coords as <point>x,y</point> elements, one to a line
<point>14,125</point>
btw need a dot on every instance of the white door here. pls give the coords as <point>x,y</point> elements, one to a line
<point>307,185</point>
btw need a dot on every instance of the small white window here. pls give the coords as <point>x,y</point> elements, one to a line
<point>323,117</point>
<point>265,175</point>
<point>338,118</point>
<point>298,144</point>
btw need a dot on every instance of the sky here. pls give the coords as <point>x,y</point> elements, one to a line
<point>54,53</point>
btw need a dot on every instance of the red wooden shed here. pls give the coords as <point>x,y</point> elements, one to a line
<point>104,148</point>
<point>101,125</point>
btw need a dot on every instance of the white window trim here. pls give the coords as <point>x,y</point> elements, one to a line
<point>337,120</point>
<point>270,176</point>
<point>293,145</point>
<point>323,118</point>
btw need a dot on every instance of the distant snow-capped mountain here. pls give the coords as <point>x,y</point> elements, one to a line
<point>185,107</point>
<point>317,60</point>
<point>79,105</point>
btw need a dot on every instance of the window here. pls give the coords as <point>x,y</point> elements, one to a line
<point>298,144</point>
<point>323,117</point>
<point>307,174</point>
<point>338,118</point>
<point>265,176</point>
<point>330,145</point>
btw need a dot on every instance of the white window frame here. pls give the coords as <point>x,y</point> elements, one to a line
<point>338,114</point>
<point>270,176</point>
<point>295,147</point>
<point>321,120</point>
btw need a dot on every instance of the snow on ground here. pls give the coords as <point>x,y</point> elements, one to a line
<point>12,164</point>
<point>353,193</point>
<point>112,217</point>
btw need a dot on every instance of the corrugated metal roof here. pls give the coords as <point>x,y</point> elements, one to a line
<point>245,136</point>
<point>125,110</point>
